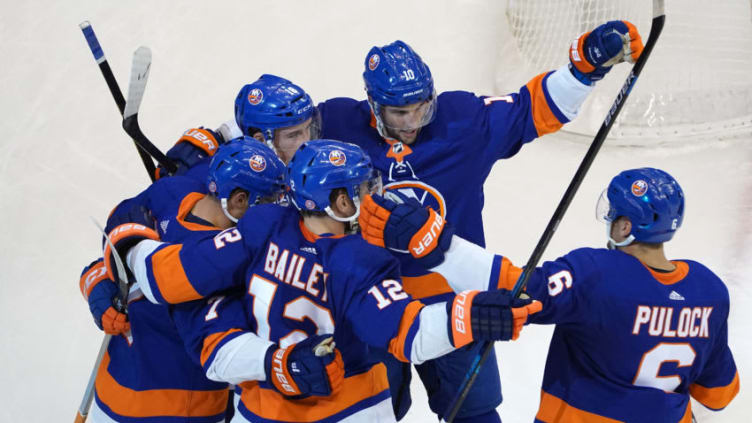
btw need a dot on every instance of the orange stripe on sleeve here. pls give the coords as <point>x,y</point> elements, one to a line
<point>718,397</point>
<point>425,286</point>
<point>211,342</point>
<point>397,344</point>
<point>544,119</point>
<point>170,276</point>
<point>554,410</point>
<point>508,275</point>
<point>157,402</point>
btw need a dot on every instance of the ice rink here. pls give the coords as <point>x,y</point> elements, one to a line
<point>65,158</point>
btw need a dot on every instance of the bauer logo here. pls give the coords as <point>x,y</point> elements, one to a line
<point>337,157</point>
<point>639,188</point>
<point>256,96</point>
<point>212,186</point>
<point>373,62</point>
<point>257,162</point>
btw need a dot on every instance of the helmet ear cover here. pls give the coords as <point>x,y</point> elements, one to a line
<point>322,169</point>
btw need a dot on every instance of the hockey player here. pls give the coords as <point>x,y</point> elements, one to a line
<point>441,148</point>
<point>304,275</point>
<point>277,112</point>
<point>636,334</point>
<point>150,376</point>
<point>271,109</point>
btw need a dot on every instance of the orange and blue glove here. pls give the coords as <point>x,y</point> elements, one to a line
<point>593,53</point>
<point>313,366</point>
<point>129,228</point>
<point>401,224</point>
<point>488,316</point>
<point>99,291</point>
<point>195,145</point>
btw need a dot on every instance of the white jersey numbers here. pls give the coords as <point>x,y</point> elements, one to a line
<point>299,309</point>
<point>227,236</point>
<point>558,281</point>
<point>488,100</point>
<point>212,313</point>
<point>393,290</point>
<point>647,374</point>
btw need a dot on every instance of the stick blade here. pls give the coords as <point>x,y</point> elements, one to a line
<point>139,75</point>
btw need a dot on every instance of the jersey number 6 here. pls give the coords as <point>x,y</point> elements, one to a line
<point>647,374</point>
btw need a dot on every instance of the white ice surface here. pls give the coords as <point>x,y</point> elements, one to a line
<point>64,158</point>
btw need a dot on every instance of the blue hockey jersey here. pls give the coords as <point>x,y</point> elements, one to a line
<point>153,378</point>
<point>294,284</point>
<point>447,165</point>
<point>631,344</point>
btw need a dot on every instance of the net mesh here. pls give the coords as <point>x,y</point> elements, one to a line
<point>695,86</point>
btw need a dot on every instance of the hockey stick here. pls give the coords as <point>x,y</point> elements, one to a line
<point>120,305</point>
<point>656,27</point>
<point>139,75</point>
<point>117,95</point>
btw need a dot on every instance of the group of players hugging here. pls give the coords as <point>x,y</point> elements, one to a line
<point>304,255</point>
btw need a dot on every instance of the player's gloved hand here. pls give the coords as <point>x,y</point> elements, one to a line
<point>194,145</point>
<point>310,367</point>
<point>130,227</point>
<point>593,53</point>
<point>99,291</point>
<point>488,316</point>
<point>402,224</point>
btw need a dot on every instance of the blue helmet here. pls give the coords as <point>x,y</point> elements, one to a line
<point>651,199</point>
<point>271,103</point>
<point>320,166</point>
<point>247,164</point>
<point>396,76</point>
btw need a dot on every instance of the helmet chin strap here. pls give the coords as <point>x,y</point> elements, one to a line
<point>223,201</point>
<point>612,244</point>
<point>352,221</point>
<point>379,123</point>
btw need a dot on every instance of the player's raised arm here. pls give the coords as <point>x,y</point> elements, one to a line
<point>554,98</point>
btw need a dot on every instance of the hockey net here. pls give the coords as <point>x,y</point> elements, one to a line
<point>697,85</point>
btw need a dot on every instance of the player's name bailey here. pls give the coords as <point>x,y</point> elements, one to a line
<point>287,267</point>
<point>689,322</point>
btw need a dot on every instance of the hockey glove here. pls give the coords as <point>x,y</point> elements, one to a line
<point>593,53</point>
<point>98,290</point>
<point>310,367</point>
<point>193,147</point>
<point>487,316</point>
<point>130,228</point>
<point>401,224</point>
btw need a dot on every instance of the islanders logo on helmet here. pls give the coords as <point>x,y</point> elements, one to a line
<point>639,188</point>
<point>212,187</point>
<point>337,157</point>
<point>373,62</point>
<point>257,163</point>
<point>256,96</point>
<point>310,204</point>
